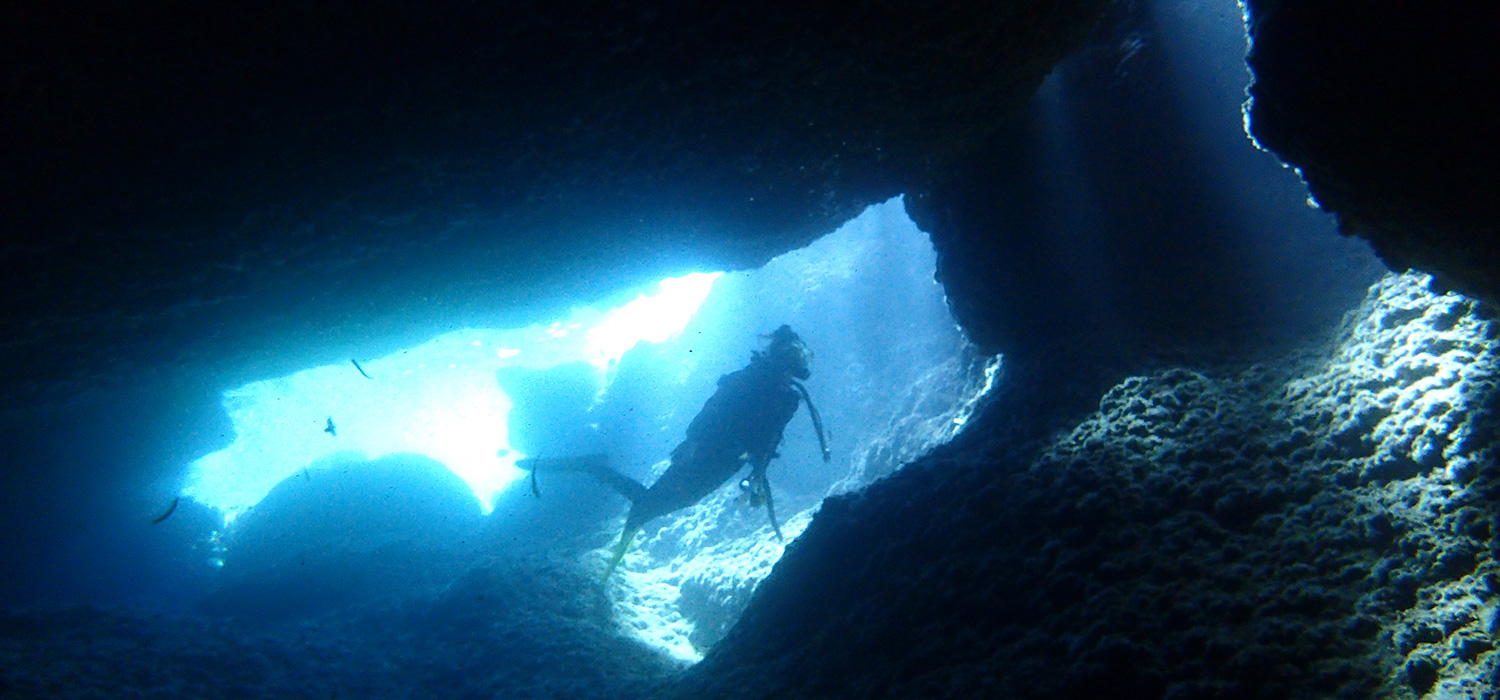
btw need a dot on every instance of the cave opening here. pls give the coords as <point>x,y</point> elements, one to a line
<point>892,375</point>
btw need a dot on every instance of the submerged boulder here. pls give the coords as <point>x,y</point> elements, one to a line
<point>344,531</point>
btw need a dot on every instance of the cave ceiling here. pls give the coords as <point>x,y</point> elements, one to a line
<point>185,181</point>
<point>188,180</point>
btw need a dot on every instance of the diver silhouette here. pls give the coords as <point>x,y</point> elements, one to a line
<point>742,423</point>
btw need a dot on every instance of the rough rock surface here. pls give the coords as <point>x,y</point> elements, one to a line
<point>1318,526</point>
<point>524,629</point>
<point>1384,109</point>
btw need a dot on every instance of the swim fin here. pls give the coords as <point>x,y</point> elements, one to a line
<point>596,466</point>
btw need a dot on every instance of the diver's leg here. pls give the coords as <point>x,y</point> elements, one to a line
<point>765,487</point>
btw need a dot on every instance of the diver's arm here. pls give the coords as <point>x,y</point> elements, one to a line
<point>817,420</point>
<point>764,433</point>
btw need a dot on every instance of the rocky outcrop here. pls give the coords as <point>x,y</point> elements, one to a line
<point>1125,220</point>
<point>1384,111</point>
<point>527,627</point>
<point>1319,526</point>
<point>341,533</point>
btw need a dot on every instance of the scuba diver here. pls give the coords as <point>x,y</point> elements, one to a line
<point>742,423</point>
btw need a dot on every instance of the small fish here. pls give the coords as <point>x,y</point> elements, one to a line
<point>361,369</point>
<point>305,475</point>
<point>330,429</point>
<point>534,490</point>
<point>170,510</point>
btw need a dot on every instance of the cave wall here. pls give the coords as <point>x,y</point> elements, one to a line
<point>1125,220</point>
<point>1319,526</point>
<point>1384,110</point>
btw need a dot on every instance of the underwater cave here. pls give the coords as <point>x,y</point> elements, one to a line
<point>1152,345</point>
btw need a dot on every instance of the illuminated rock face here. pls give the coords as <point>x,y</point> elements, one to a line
<point>1317,525</point>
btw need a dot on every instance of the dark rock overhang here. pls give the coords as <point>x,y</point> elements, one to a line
<point>189,180</point>
<point>1385,110</point>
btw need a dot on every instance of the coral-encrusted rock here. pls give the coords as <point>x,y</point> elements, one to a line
<point>1229,532</point>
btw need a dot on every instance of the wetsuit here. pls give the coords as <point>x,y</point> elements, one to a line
<point>742,422</point>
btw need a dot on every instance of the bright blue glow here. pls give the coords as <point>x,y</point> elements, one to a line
<point>653,319</point>
<point>439,399</point>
